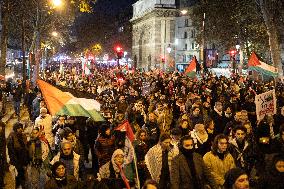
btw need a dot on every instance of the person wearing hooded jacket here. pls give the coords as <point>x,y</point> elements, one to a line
<point>188,168</point>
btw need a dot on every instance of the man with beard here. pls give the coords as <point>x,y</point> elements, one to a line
<point>188,168</point>
<point>242,150</point>
<point>158,161</point>
<point>196,117</point>
<point>74,163</point>
<point>18,153</point>
<point>152,129</point>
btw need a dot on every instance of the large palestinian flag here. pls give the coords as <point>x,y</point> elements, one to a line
<point>64,103</point>
<point>191,69</point>
<point>255,64</point>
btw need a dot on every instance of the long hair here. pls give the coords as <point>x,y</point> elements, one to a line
<point>138,133</point>
<point>214,147</point>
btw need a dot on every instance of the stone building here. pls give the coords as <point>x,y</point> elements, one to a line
<point>153,33</point>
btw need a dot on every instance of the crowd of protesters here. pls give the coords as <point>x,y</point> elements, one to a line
<point>190,133</point>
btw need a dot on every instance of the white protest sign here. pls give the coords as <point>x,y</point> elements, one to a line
<point>265,104</point>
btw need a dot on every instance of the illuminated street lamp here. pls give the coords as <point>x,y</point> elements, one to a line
<point>238,47</point>
<point>54,34</point>
<point>183,12</point>
<point>57,3</point>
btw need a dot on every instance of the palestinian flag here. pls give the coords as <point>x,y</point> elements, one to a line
<point>255,64</point>
<point>125,126</point>
<point>64,103</point>
<point>191,69</point>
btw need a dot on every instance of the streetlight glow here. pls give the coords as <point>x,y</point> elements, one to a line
<point>54,34</point>
<point>57,3</point>
<point>183,12</point>
<point>238,47</point>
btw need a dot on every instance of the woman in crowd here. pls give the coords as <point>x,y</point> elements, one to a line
<point>60,180</point>
<point>113,174</point>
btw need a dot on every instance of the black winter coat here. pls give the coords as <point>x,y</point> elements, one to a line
<point>181,177</point>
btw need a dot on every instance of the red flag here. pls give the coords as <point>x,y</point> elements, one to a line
<point>191,65</point>
<point>253,60</point>
<point>125,126</point>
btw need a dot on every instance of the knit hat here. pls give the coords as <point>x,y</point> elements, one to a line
<point>231,176</point>
<point>17,125</point>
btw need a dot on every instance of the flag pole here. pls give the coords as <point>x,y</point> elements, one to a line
<point>136,170</point>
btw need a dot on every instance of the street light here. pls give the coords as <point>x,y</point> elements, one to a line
<point>238,47</point>
<point>57,3</point>
<point>183,12</point>
<point>54,34</point>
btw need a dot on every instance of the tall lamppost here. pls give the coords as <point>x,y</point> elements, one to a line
<point>54,5</point>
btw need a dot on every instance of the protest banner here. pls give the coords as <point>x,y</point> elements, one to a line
<point>265,104</point>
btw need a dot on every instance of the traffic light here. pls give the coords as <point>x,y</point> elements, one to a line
<point>163,59</point>
<point>119,52</point>
<point>233,53</point>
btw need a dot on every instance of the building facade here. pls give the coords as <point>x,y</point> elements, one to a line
<point>185,33</point>
<point>153,34</point>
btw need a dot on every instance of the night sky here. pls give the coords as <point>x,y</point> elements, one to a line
<point>96,26</point>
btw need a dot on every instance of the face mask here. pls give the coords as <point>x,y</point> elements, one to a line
<point>187,152</point>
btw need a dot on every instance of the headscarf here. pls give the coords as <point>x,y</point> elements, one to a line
<point>118,168</point>
<point>116,153</point>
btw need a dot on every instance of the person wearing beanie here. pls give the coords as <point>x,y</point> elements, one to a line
<point>236,178</point>
<point>188,168</point>
<point>18,152</point>
<point>60,179</point>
